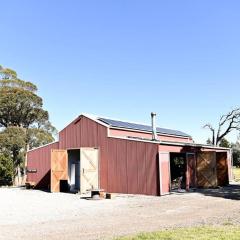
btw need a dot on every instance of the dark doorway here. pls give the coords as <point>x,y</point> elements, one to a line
<point>64,186</point>
<point>74,170</point>
<point>222,168</point>
<point>178,167</point>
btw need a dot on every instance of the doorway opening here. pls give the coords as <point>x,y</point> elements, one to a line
<point>74,170</point>
<point>222,168</point>
<point>83,169</point>
<point>178,168</point>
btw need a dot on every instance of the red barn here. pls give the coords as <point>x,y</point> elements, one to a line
<point>123,157</point>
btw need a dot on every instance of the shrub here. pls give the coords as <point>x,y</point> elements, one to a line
<point>6,170</point>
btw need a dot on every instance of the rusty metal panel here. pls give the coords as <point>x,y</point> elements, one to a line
<point>40,160</point>
<point>222,168</point>
<point>59,168</point>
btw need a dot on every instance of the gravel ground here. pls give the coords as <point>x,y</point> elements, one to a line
<point>33,214</point>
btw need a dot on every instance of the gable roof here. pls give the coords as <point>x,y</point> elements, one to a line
<point>141,127</point>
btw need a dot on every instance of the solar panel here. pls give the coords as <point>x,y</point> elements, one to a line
<point>141,127</point>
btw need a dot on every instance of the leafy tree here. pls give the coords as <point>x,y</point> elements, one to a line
<point>225,143</point>
<point>236,154</point>
<point>38,137</point>
<point>6,170</point>
<point>12,143</point>
<point>209,141</point>
<point>24,123</point>
<point>19,104</point>
<point>227,123</point>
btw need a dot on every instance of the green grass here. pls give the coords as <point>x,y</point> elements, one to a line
<point>236,174</point>
<point>198,233</point>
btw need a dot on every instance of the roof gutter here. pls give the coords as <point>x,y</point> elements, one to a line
<point>169,143</point>
<point>191,145</point>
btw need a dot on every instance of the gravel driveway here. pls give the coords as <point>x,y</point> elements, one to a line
<point>33,214</point>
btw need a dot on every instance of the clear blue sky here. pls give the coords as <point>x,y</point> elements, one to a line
<point>124,59</point>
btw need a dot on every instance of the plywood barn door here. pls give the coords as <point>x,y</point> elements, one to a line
<point>222,168</point>
<point>59,168</point>
<point>206,169</point>
<point>89,165</point>
<point>191,170</point>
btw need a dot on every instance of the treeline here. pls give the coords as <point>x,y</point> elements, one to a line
<point>236,154</point>
<point>24,124</point>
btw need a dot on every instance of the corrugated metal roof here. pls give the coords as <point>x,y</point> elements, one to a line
<point>141,127</point>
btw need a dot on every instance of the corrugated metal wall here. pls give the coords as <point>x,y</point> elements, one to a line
<point>40,159</point>
<point>125,166</point>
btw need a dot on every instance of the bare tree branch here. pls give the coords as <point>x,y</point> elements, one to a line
<point>209,126</point>
<point>229,121</point>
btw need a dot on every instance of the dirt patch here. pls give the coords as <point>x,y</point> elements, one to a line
<point>32,214</point>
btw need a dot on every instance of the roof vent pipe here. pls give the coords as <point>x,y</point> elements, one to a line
<point>154,128</point>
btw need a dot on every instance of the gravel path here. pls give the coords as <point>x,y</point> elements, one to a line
<point>33,214</point>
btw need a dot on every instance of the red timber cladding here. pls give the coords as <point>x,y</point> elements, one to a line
<point>125,166</point>
<point>128,133</point>
<point>40,159</point>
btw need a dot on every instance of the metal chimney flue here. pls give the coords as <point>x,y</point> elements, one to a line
<point>154,128</point>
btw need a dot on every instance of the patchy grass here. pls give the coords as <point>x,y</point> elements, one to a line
<point>236,174</point>
<point>196,233</point>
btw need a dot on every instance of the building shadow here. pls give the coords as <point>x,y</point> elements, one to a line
<point>231,191</point>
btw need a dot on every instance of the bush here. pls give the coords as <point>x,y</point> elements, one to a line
<point>236,158</point>
<point>6,170</point>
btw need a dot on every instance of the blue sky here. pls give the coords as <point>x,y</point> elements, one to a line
<point>124,59</point>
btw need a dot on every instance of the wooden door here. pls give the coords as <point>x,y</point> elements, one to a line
<point>89,158</point>
<point>222,168</point>
<point>164,173</point>
<point>206,169</point>
<point>59,168</point>
<point>191,170</point>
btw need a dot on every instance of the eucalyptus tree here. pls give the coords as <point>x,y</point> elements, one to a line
<point>24,123</point>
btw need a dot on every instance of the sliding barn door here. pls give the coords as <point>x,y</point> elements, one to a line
<point>191,170</point>
<point>89,163</point>
<point>206,169</point>
<point>59,168</point>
